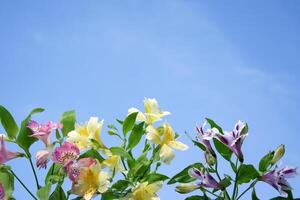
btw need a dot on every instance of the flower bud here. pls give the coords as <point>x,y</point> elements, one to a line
<point>184,188</point>
<point>279,152</point>
<point>209,158</point>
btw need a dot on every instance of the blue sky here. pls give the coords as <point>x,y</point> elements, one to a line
<point>224,60</point>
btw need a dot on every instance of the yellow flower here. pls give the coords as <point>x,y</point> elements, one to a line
<point>144,191</point>
<point>165,137</point>
<point>152,111</point>
<point>83,134</point>
<point>114,162</point>
<point>90,181</point>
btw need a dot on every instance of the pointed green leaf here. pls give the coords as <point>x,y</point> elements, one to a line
<point>68,120</point>
<point>183,176</point>
<point>214,125</point>
<point>129,122</point>
<point>222,149</point>
<point>246,174</point>
<point>135,136</point>
<point>8,123</point>
<point>265,162</point>
<point>24,140</point>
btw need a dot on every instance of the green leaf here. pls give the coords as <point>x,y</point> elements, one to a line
<point>154,177</point>
<point>121,185</point>
<point>129,122</point>
<point>246,173</point>
<point>254,196</point>
<point>93,154</point>
<point>222,149</point>
<point>199,145</point>
<point>183,176</point>
<point>8,123</point>
<point>44,192</point>
<point>214,125</point>
<point>120,152</point>
<point>225,182</point>
<point>54,174</point>
<point>135,136</point>
<point>265,162</point>
<point>108,196</point>
<point>24,140</point>
<point>58,193</point>
<point>7,181</point>
<point>57,134</point>
<point>68,120</point>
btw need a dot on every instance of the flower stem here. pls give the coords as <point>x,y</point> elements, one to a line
<point>24,186</point>
<point>235,182</point>
<point>250,186</point>
<point>34,173</point>
<point>219,177</point>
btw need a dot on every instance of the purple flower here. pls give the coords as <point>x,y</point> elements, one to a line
<point>206,179</point>
<point>6,155</point>
<point>2,193</point>
<point>65,154</point>
<point>43,131</point>
<point>205,136</point>
<point>43,157</point>
<point>277,178</point>
<point>234,139</point>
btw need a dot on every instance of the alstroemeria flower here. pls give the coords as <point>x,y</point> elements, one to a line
<point>43,131</point>
<point>206,179</point>
<point>152,111</point>
<point>43,157</point>
<point>2,192</point>
<point>65,154</point>
<point>83,134</point>
<point>114,162</point>
<point>144,191</point>
<point>277,178</point>
<point>165,137</point>
<point>6,155</point>
<point>234,139</point>
<point>73,168</point>
<point>204,136</point>
<point>91,180</point>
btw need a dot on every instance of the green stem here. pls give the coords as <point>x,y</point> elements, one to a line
<point>250,186</point>
<point>24,186</point>
<point>219,177</point>
<point>210,193</point>
<point>34,173</point>
<point>235,182</point>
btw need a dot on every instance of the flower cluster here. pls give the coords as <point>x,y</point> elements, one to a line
<point>227,143</point>
<point>79,155</point>
<point>76,153</point>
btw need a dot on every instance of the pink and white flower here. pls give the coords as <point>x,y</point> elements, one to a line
<point>43,157</point>
<point>234,139</point>
<point>277,178</point>
<point>43,131</point>
<point>65,154</point>
<point>206,179</point>
<point>6,155</point>
<point>73,168</point>
<point>2,192</point>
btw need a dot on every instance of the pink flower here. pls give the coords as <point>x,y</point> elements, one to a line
<point>65,154</point>
<point>73,168</point>
<point>43,131</point>
<point>206,179</point>
<point>43,157</point>
<point>277,178</point>
<point>6,155</point>
<point>2,193</point>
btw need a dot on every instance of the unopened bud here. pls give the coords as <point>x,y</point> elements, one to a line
<point>184,188</point>
<point>209,158</point>
<point>279,152</point>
